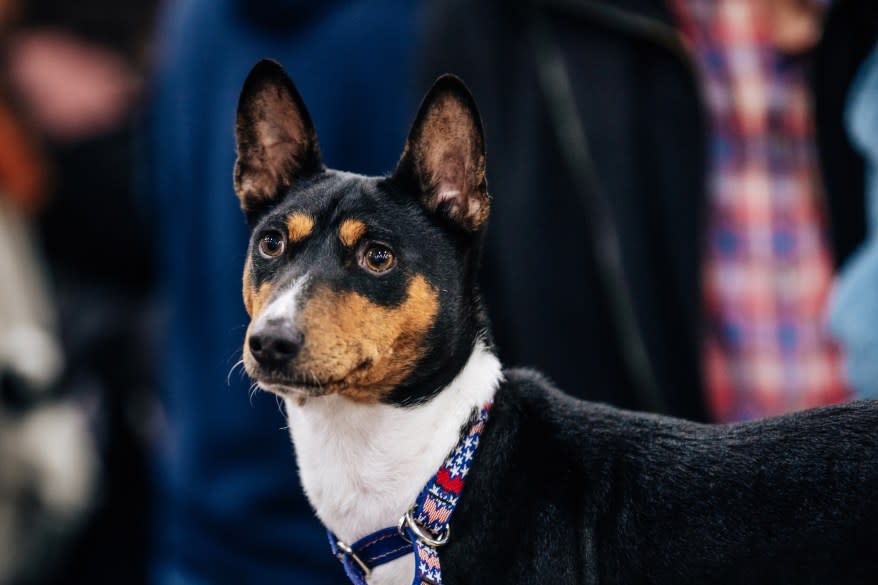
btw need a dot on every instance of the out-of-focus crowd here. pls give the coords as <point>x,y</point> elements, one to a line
<point>76,307</point>
<point>685,205</point>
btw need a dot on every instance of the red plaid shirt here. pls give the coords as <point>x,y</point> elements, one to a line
<point>767,269</point>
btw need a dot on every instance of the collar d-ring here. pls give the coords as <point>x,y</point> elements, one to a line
<point>421,533</point>
<point>347,550</point>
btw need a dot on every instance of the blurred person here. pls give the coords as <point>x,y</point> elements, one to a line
<point>76,74</point>
<point>854,309</point>
<point>660,178</point>
<point>47,454</point>
<point>48,467</point>
<point>230,508</point>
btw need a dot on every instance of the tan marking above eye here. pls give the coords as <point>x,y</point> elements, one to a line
<point>299,227</point>
<point>363,350</point>
<point>350,231</point>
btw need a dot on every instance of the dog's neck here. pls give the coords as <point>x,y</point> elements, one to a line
<point>362,466</point>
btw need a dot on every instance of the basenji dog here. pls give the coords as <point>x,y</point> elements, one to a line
<point>415,446</point>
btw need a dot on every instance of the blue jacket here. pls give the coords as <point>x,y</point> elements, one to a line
<point>229,506</point>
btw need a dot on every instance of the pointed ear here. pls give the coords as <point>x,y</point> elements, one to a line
<point>276,142</point>
<point>444,158</point>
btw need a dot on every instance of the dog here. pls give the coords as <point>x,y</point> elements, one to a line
<point>366,319</point>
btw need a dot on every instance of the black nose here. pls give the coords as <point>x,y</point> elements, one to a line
<point>275,343</point>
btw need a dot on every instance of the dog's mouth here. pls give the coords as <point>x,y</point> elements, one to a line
<point>287,385</point>
<point>290,381</point>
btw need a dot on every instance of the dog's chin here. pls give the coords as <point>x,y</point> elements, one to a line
<point>290,387</point>
<point>285,383</point>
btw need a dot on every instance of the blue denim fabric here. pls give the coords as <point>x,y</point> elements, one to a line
<point>853,316</point>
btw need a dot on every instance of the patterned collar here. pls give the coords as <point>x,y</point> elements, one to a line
<point>424,527</point>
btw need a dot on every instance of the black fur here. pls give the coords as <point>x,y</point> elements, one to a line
<point>564,491</point>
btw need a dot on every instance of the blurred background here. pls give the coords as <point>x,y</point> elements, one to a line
<point>685,203</point>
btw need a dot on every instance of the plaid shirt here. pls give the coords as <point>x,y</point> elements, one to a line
<point>767,269</point>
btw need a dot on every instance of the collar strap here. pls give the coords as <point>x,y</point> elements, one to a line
<point>367,553</point>
<point>424,527</point>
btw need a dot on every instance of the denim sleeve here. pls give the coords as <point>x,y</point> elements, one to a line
<point>853,313</point>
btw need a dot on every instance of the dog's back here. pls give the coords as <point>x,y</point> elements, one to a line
<point>589,493</point>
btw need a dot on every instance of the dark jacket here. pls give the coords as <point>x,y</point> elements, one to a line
<point>642,163</point>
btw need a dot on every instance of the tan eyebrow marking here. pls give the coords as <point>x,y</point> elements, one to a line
<point>350,231</point>
<point>299,227</point>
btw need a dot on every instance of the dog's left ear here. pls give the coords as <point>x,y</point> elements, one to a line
<point>276,141</point>
<point>444,157</point>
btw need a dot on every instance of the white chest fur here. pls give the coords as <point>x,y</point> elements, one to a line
<point>362,466</point>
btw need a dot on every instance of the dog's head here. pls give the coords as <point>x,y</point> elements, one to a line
<point>361,286</point>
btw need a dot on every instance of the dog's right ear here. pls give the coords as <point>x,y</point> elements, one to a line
<point>276,141</point>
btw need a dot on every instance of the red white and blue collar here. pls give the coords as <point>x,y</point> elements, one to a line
<point>424,527</point>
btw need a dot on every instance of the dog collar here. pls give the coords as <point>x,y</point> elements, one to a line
<point>424,527</point>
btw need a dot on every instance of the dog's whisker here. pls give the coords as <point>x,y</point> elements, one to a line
<point>231,371</point>
<point>252,392</point>
<point>317,382</point>
<point>314,380</point>
<point>280,409</point>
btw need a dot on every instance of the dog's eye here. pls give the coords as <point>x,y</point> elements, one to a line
<point>272,244</point>
<point>378,258</point>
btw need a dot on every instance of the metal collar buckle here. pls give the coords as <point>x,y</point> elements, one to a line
<point>422,534</point>
<point>347,550</point>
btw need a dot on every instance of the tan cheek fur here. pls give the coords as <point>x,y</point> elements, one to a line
<point>247,289</point>
<point>350,231</point>
<point>254,298</point>
<point>299,227</point>
<point>363,350</point>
